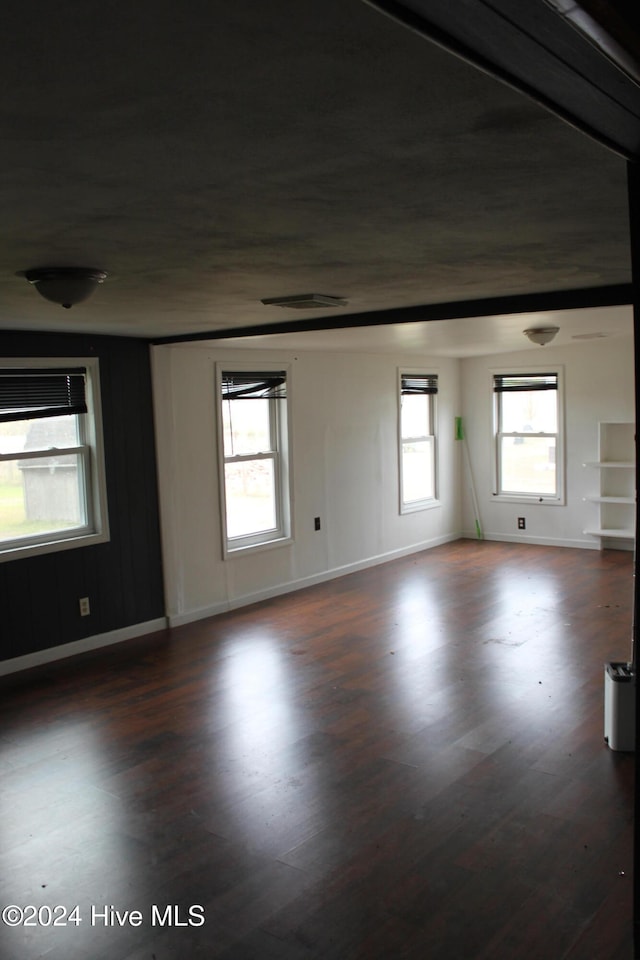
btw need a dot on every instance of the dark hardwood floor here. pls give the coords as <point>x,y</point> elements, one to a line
<point>404,763</point>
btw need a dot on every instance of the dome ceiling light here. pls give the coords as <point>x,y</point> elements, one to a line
<point>65,285</point>
<point>541,335</point>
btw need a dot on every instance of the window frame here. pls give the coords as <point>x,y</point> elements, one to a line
<point>426,503</point>
<point>535,370</point>
<point>91,464</point>
<point>279,455</point>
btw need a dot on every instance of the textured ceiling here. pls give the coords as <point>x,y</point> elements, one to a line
<point>208,156</point>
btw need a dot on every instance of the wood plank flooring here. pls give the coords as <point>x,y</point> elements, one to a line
<point>404,763</point>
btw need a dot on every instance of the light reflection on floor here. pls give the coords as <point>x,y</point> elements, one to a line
<point>261,750</point>
<point>526,643</point>
<point>85,844</point>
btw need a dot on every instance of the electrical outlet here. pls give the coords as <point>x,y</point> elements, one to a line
<point>316,523</point>
<point>522,523</point>
<point>85,608</point>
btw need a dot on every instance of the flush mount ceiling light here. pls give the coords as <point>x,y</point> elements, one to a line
<point>541,335</point>
<point>65,285</point>
<point>306,301</point>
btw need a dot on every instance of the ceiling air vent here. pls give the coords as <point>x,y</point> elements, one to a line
<point>306,301</point>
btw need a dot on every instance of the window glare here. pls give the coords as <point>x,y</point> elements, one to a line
<point>529,465</point>
<point>415,415</point>
<point>38,434</point>
<point>250,497</point>
<point>417,471</point>
<point>246,427</point>
<point>529,411</point>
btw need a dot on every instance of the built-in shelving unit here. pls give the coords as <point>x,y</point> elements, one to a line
<point>615,501</point>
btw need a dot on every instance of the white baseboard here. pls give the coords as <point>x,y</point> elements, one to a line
<point>188,616</point>
<point>81,646</point>
<point>539,541</point>
<point>87,644</point>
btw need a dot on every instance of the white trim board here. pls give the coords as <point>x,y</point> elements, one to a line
<point>533,540</point>
<point>85,645</point>
<point>223,606</point>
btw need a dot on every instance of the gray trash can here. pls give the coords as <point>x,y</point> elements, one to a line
<point>619,706</point>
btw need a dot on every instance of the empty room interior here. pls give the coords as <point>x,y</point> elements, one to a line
<point>318,340</point>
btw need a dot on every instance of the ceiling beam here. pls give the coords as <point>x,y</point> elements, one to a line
<point>571,64</point>
<point>610,296</point>
<point>612,25</point>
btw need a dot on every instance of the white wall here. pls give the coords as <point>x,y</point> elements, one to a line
<point>345,470</point>
<point>599,386</point>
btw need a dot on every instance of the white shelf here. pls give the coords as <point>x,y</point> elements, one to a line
<point>612,533</point>
<point>606,499</point>
<point>615,499</point>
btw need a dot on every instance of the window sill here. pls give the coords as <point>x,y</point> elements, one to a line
<point>419,506</point>
<point>52,546</point>
<point>231,553</point>
<point>533,499</point>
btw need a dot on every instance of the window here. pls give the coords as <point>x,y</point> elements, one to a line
<point>254,448</point>
<point>417,441</point>
<point>527,418</point>
<point>52,493</point>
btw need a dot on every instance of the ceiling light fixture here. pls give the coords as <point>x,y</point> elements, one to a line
<point>541,335</point>
<point>65,285</point>
<point>306,301</point>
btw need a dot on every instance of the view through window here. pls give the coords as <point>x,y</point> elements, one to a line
<point>50,456</point>
<point>254,441</point>
<point>527,434</point>
<point>417,440</point>
<point>41,478</point>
